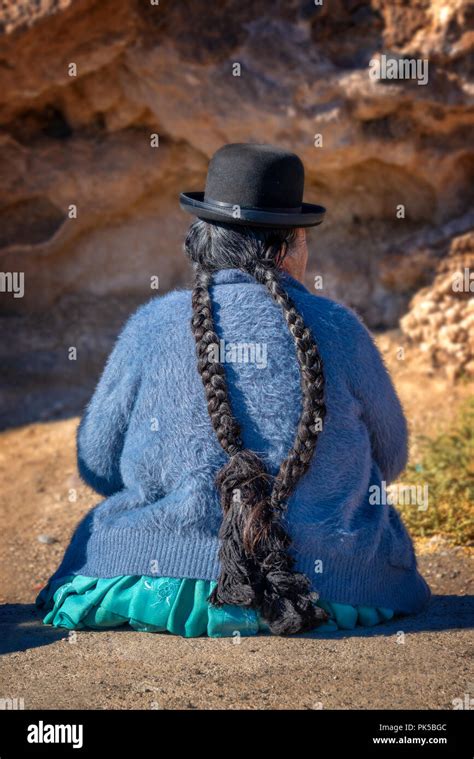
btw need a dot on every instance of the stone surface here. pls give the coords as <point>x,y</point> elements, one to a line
<point>167,69</point>
<point>89,210</point>
<point>441,316</point>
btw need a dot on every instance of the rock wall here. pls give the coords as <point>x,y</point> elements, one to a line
<point>88,207</point>
<point>140,69</point>
<point>441,317</point>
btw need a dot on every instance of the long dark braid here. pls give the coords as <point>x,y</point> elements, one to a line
<point>256,566</point>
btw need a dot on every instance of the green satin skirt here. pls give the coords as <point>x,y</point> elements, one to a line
<point>169,604</point>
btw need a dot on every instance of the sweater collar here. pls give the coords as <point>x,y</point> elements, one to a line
<point>233,276</point>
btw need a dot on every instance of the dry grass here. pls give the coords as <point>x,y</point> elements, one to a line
<point>446,465</point>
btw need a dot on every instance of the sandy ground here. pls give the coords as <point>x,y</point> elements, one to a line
<point>419,662</point>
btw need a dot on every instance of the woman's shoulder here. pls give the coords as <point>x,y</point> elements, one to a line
<point>156,317</point>
<point>168,306</point>
<point>327,311</point>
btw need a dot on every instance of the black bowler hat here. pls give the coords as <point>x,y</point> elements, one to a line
<point>256,185</point>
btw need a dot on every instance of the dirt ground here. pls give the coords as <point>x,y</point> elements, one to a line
<point>417,662</point>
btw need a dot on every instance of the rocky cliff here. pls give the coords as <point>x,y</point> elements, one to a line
<point>108,108</point>
<point>440,320</point>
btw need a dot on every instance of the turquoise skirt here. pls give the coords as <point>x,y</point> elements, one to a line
<point>169,604</point>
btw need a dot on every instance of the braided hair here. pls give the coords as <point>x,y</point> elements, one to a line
<point>256,566</point>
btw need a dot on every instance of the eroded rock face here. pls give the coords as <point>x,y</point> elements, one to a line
<point>88,208</point>
<point>441,316</point>
<point>84,140</point>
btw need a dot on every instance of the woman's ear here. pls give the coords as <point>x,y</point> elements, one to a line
<point>297,258</point>
<point>301,236</point>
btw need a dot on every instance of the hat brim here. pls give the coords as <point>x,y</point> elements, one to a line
<point>310,215</point>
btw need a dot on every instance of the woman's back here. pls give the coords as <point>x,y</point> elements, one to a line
<point>157,461</point>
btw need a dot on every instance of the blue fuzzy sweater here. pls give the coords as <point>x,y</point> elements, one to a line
<point>147,445</point>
